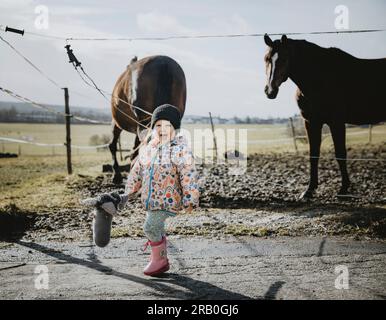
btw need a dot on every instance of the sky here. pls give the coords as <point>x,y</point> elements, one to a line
<point>225,76</point>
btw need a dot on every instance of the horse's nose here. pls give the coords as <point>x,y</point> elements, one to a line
<point>271,94</point>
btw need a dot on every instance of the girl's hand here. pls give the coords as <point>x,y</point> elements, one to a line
<point>189,209</point>
<point>109,202</point>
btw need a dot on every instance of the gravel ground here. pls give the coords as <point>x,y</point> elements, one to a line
<point>261,202</point>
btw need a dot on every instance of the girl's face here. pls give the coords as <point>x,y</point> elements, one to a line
<point>164,131</point>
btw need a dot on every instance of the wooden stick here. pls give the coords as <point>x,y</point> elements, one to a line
<point>68,130</point>
<point>214,137</point>
<point>293,134</point>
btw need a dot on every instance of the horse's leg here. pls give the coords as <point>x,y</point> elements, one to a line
<point>117,179</point>
<point>136,144</point>
<point>314,133</point>
<point>338,132</point>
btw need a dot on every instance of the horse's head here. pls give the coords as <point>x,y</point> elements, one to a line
<point>277,64</point>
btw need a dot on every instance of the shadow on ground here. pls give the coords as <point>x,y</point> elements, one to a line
<point>14,223</point>
<point>194,289</point>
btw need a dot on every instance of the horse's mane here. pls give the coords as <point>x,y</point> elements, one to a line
<point>310,62</point>
<point>329,53</point>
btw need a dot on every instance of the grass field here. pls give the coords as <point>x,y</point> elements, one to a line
<point>259,138</point>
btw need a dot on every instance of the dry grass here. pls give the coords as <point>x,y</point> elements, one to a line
<point>38,183</point>
<point>260,138</point>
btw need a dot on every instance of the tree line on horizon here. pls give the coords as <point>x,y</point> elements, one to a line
<point>12,115</point>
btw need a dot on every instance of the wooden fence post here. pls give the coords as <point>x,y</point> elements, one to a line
<point>370,133</point>
<point>214,137</point>
<point>293,134</point>
<point>68,130</point>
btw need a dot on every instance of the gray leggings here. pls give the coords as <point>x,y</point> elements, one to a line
<point>154,227</point>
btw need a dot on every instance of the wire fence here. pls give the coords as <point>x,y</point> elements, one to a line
<point>40,144</point>
<point>194,36</point>
<point>92,84</point>
<point>89,81</point>
<point>49,109</point>
<point>219,36</point>
<point>253,142</point>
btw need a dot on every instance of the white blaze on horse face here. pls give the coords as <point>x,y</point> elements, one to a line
<point>273,65</point>
<point>134,83</point>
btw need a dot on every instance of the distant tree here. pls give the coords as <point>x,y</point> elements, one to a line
<point>12,114</point>
<point>96,140</point>
<point>105,138</point>
<point>9,115</point>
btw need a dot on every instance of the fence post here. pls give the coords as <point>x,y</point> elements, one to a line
<point>214,137</point>
<point>293,134</point>
<point>370,133</point>
<point>68,130</point>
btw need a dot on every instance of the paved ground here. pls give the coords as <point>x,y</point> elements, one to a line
<point>202,268</point>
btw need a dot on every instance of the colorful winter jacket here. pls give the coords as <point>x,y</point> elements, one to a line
<point>165,175</point>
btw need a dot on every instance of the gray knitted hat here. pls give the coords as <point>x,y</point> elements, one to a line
<point>167,112</point>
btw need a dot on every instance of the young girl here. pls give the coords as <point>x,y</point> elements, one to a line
<point>165,174</point>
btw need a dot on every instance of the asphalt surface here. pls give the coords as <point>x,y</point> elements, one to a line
<point>201,268</point>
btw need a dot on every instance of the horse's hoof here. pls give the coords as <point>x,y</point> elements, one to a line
<point>307,195</point>
<point>117,179</point>
<point>346,193</point>
<point>342,194</point>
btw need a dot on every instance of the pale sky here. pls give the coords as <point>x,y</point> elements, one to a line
<point>224,76</point>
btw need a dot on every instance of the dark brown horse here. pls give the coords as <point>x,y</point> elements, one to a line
<point>334,88</point>
<point>146,83</point>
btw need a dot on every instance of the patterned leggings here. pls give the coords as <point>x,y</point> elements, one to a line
<point>154,227</point>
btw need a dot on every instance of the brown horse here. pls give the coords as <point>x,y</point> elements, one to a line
<point>334,88</point>
<point>147,84</point>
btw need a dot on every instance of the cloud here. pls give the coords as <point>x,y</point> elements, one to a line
<point>201,68</point>
<point>231,24</point>
<point>15,4</point>
<point>61,10</point>
<point>240,24</point>
<point>156,22</point>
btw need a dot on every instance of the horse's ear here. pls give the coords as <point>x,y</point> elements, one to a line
<point>284,39</point>
<point>268,41</point>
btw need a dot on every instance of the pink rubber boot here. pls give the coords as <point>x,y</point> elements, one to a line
<point>159,262</point>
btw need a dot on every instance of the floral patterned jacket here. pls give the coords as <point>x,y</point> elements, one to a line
<point>165,175</point>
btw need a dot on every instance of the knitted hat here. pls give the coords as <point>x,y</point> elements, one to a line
<point>167,112</point>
